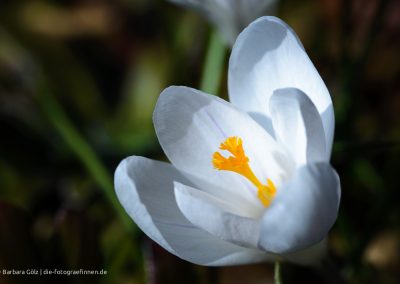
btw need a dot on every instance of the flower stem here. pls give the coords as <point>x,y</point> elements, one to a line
<point>214,63</point>
<point>277,272</point>
<point>83,151</point>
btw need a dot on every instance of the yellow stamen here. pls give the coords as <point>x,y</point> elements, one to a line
<point>239,163</point>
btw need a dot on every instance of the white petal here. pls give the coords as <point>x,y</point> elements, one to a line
<point>303,211</point>
<point>219,13</point>
<point>191,125</point>
<point>297,125</point>
<point>145,189</point>
<point>267,56</point>
<point>230,16</point>
<point>311,256</point>
<point>252,9</point>
<point>217,217</point>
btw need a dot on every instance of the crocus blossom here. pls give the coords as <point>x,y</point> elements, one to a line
<point>230,16</point>
<point>250,179</point>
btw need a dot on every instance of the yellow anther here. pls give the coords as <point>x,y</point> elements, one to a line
<point>239,163</point>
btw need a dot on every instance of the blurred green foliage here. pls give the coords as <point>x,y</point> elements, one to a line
<point>78,84</point>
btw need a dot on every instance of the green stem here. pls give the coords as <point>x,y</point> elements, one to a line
<point>277,272</point>
<point>214,63</point>
<point>81,149</point>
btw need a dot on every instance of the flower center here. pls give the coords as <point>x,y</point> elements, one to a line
<point>239,163</point>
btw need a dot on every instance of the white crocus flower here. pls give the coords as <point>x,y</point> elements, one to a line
<point>230,16</point>
<point>250,179</point>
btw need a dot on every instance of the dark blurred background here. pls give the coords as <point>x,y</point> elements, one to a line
<point>78,83</point>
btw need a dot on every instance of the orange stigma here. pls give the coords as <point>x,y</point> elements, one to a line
<point>239,163</point>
